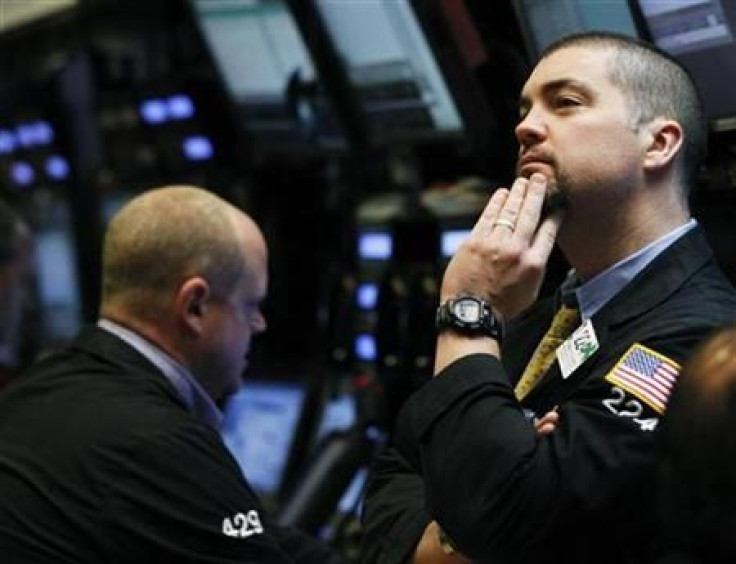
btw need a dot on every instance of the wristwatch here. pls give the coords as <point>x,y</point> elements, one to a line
<point>469,315</point>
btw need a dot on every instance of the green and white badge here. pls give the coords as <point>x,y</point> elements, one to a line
<point>580,346</point>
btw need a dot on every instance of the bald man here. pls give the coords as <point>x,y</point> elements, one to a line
<point>109,450</point>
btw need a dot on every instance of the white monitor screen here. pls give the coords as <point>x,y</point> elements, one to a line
<point>391,65</point>
<point>258,428</point>
<point>546,21</point>
<point>16,13</point>
<point>256,45</point>
<point>687,25</point>
<point>700,33</point>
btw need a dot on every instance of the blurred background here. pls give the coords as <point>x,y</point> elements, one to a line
<point>363,136</point>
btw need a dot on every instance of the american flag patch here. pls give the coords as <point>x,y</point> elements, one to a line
<point>646,374</point>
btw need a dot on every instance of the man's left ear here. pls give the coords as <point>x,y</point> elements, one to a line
<point>665,138</point>
<point>192,301</point>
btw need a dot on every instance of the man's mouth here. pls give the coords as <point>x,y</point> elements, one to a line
<point>533,162</point>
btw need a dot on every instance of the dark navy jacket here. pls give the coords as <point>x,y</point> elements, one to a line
<point>466,455</point>
<point>100,462</point>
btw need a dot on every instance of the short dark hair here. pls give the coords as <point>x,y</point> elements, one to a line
<point>657,85</point>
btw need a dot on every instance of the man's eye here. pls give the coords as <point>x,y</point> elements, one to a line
<point>567,102</point>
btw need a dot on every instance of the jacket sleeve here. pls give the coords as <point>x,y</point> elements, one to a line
<point>498,489</point>
<point>178,496</point>
<point>394,517</point>
<point>303,549</point>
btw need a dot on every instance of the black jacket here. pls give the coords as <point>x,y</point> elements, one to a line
<point>466,455</point>
<point>100,462</point>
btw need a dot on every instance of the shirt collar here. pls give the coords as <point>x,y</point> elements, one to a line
<point>194,396</point>
<point>598,291</point>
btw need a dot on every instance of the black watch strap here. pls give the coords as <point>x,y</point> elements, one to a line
<point>469,315</point>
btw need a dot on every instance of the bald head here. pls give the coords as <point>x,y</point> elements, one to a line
<point>168,235</point>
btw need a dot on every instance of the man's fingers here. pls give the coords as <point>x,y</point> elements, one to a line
<point>484,226</point>
<point>508,218</point>
<point>547,423</point>
<point>544,240</point>
<point>531,208</point>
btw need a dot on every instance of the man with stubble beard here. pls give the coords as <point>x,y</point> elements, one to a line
<point>535,440</point>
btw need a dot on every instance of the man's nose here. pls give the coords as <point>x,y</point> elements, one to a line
<point>532,129</point>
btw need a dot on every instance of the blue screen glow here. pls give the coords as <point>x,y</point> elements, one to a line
<point>180,106</point>
<point>365,347</point>
<point>26,135</point>
<point>197,148</point>
<point>8,142</point>
<point>57,168</point>
<point>339,414</point>
<point>43,133</point>
<point>154,112</point>
<point>35,133</point>
<point>375,246</point>
<point>367,295</point>
<point>258,428</point>
<point>22,173</point>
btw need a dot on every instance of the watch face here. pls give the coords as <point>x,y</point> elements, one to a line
<point>467,310</point>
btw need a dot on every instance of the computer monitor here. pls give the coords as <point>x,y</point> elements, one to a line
<point>545,21</point>
<point>267,72</point>
<point>259,427</point>
<point>17,14</point>
<point>393,69</point>
<point>687,26</point>
<point>338,414</point>
<point>700,33</point>
<point>450,241</point>
<point>58,288</point>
